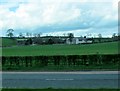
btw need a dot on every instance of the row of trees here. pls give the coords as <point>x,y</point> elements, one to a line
<point>11,34</point>
<point>70,35</point>
<point>29,35</point>
<point>21,35</point>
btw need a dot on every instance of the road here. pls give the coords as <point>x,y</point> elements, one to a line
<point>103,79</point>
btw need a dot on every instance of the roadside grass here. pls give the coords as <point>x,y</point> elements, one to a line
<point>50,89</point>
<point>48,50</point>
<point>62,68</point>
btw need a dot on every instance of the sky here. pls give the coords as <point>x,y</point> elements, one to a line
<point>59,17</point>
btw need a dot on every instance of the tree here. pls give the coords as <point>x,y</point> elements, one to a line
<point>35,35</point>
<point>114,34</point>
<point>20,35</point>
<point>64,34</point>
<point>115,37</point>
<point>70,36</point>
<point>29,41</point>
<point>89,35</point>
<point>28,34</point>
<point>99,37</point>
<point>39,34</point>
<point>10,33</point>
<point>85,39</point>
<point>50,41</point>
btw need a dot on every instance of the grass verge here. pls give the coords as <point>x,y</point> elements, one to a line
<point>61,68</point>
<point>50,89</point>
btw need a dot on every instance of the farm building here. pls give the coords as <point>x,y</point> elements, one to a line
<point>56,40</point>
<point>21,41</point>
<point>80,40</point>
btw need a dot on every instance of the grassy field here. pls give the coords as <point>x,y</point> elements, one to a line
<point>37,50</point>
<point>50,50</point>
<point>61,89</point>
<point>7,42</point>
<point>63,68</point>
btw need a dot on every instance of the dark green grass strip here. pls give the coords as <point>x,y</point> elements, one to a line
<point>50,89</point>
<point>62,68</point>
<point>7,42</point>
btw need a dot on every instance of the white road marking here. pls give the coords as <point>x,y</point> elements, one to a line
<point>59,79</point>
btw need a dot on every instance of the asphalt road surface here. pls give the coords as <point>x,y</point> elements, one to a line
<point>103,79</point>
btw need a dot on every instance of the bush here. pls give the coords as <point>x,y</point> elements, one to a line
<point>66,60</point>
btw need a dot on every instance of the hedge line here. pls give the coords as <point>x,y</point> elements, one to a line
<point>74,60</point>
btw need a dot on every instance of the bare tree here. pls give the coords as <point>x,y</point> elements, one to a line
<point>35,35</point>
<point>20,35</point>
<point>30,34</point>
<point>114,34</point>
<point>64,34</point>
<point>70,36</point>
<point>39,34</point>
<point>27,34</point>
<point>100,37</point>
<point>10,33</point>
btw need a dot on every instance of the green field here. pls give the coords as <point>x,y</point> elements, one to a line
<point>7,42</point>
<point>37,50</point>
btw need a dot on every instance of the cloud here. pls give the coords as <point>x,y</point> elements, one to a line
<point>58,16</point>
<point>78,33</point>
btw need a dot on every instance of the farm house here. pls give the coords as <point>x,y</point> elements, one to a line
<point>79,40</point>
